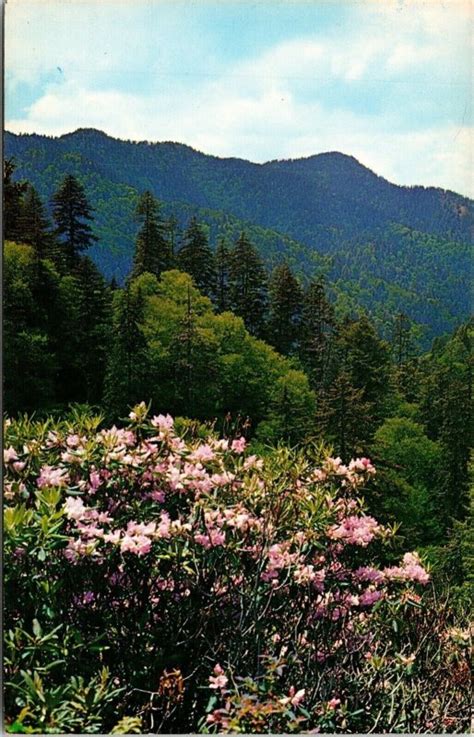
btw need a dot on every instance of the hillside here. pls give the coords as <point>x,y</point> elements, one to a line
<point>384,247</point>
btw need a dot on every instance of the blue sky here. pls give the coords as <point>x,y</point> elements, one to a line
<point>387,81</point>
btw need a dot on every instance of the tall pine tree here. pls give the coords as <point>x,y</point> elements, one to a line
<point>248,285</point>
<point>127,374</point>
<point>222,276</point>
<point>152,249</point>
<point>72,214</point>
<point>196,258</point>
<point>35,227</point>
<point>12,199</point>
<point>286,298</point>
<point>317,334</point>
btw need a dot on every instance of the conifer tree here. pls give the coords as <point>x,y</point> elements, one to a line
<point>34,225</point>
<point>367,360</point>
<point>95,328</point>
<point>222,276</point>
<point>152,249</point>
<point>72,214</point>
<point>12,199</point>
<point>285,309</point>
<point>193,359</point>
<point>127,370</point>
<point>343,416</point>
<point>196,258</point>
<point>248,285</point>
<point>317,334</point>
<point>173,232</point>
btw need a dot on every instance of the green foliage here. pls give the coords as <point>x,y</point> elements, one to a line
<point>385,249</point>
<point>285,307</point>
<point>248,288</point>
<point>196,258</point>
<point>152,251</point>
<point>72,214</point>
<point>410,481</point>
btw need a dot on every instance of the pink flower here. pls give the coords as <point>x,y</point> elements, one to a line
<point>164,526</point>
<point>74,508</point>
<point>239,445</point>
<point>369,597</point>
<point>218,680</point>
<point>50,476</point>
<point>94,481</point>
<point>333,703</point>
<point>410,570</point>
<point>202,454</point>
<point>294,697</point>
<point>163,422</point>
<point>367,573</point>
<point>355,530</point>
<point>9,455</point>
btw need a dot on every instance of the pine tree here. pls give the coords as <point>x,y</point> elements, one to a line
<point>196,258</point>
<point>95,328</point>
<point>72,214</point>
<point>152,249</point>
<point>248,285</point>
<point>286,298</point>
<point>367,360</point>
<point>126,380</point>
<point>12,199</point>
<point>173,232</point>
<point>193,360</point>
<point>222,273</point>
<point>34,225</point>
<point>343,416</point>
<point>317,334</point>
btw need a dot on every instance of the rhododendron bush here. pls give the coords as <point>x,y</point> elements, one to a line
<point>161,579</point>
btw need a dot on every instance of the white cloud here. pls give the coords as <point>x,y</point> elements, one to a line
<point>273,106</point>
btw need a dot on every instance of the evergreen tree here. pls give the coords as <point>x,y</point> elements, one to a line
<point>317,334</point>
<point>72,214</point>
<point>172,230</point>
<point>248,285</point>
<point>126,380</point>
<point>222,274</point>
<point>285,309</point>
<point>12,199</point>
<point>446,407</point>
<point>34,225</point>
<point>152,249</point>
<point>196,258</point>
<point>193,359</point>
<point>95,329</point>
<point>343,417</point>
<point>367,360</point>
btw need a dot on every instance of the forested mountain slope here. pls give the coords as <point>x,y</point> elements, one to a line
<point>384,247</point>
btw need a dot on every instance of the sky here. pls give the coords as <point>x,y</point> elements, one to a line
<point>387,81</point>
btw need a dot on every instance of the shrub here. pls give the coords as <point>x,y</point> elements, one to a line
<point>169,583</point>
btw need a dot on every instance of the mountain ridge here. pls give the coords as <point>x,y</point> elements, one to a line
<point>333,154</point>
<point>385,247</point>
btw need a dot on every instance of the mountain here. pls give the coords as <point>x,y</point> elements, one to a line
<point>384,247</point>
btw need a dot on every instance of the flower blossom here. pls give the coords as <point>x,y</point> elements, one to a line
<point>50,476</point>
<point>9,455</point>
<point>410,570</point>
<point>239,445</point>
<point>219,679</point>
<point>294,697</point>
<point>355,530</point>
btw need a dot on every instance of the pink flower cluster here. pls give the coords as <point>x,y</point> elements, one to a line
<point>410,570</point>
<point>356,530</point>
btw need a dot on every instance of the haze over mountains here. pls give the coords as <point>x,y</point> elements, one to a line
<point>383,247</point>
